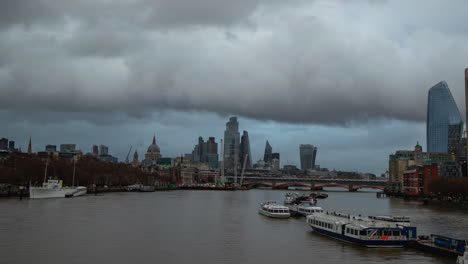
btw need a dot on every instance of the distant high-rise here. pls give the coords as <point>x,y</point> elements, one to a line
<point>95,150</point>
<point>308,153</point>
<point>245,150</point>
<point>67,147</point>
<point>268,152</point>
<point>444,124</point>
<point>466,109</point>
<point>29,146</point>
<point>50,148</point>
<point>3,144</point>
<point>103,150</point>
<point>11,145</point>
<point>231,143</point>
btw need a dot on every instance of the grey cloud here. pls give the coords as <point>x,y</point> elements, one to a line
<point>325,62</point>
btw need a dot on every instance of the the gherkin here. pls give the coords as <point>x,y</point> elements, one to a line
<point>444,122</point>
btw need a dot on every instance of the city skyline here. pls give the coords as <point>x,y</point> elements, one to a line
<point>357,90</point>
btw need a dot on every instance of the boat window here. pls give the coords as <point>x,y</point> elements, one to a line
<point>276,211</point>
<point>396,233</point>
<point>347,230</point>
<point>387,233</point>
<point>362,232</point>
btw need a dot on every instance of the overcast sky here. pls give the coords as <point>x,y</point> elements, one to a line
<point>348,76</point>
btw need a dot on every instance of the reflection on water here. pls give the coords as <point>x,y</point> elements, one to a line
<point>199,226</point>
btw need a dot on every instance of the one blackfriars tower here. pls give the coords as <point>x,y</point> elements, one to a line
<point>444,122</point>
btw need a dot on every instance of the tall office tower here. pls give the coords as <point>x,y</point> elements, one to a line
<point>444,124</point>
<point>275,155</point>
<point>466,108</point>
<point>268,151</point>
<point>212,153</point>
<point>103,150</point>
<point>231,143</point>
<point>95,150</point>
<point>245,150</point>
<point>308,153</point>
<point>11,145</point>
<point>211,145</point>
<point>3,144</point>
<point>29,146</point>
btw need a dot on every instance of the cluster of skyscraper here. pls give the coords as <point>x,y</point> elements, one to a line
<point>205,152</point>
<point>236,149</point>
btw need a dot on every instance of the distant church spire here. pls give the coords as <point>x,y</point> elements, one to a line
<point>29,146</point>
<point>154,138</point>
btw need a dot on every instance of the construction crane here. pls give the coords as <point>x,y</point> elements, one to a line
<point>128,154</point>
<point>243,170</point>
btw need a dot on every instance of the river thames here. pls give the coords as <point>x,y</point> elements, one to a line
<point>200,227</point>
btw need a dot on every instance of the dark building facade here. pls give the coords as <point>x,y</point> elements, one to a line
<point>245,150</point>
<point>231,144</point>
<point>3,144</point>
<point>307,154</point>
<point>267,156</point>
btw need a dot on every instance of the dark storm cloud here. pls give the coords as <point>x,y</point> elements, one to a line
<point>326,62</point>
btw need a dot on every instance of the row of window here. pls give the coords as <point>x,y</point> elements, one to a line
<point>277,210</point>
<point>320,223</point>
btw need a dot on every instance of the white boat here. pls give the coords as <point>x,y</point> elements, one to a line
<point>273,209</point>
<point>290,198</point>
<point>305,210</point>
<point>363,231</point>
<point>54,189</point>
<point>463,259</point>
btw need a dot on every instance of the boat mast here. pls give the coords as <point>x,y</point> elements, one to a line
<point>45,173</point>
<point>243,169</point>
<point>74,165</point>
<point>223,180</point>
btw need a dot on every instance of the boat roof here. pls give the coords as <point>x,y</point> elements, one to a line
<point>356,221</point>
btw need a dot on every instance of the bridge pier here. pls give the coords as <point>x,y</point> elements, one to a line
<point>351,188</point>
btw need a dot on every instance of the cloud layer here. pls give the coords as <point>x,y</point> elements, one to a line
<point>322,62</point>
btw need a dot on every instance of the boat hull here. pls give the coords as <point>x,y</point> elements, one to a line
<point>274,215</point>
<point>43,193</point>
<point>365,243</point>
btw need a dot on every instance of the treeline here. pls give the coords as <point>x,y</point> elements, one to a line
<point>450,187</point>
<point>22,169</point>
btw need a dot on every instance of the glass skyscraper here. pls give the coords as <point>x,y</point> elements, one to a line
<point>245,150</point>
<point>444,122</point>
<point>231,144</point>
<point>307,153</point>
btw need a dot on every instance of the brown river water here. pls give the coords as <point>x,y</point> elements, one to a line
<point>200,227</point>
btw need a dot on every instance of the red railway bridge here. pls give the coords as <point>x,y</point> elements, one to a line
<point>313,184</point>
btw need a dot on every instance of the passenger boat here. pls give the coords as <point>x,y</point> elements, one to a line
<point>290,198</point>
<point>363,231</point>
<point>463,259</point>
<point>273,209</point>
<point>305,210</point>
